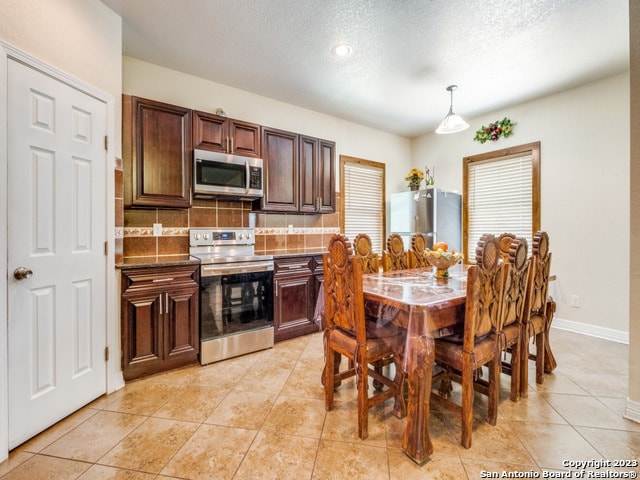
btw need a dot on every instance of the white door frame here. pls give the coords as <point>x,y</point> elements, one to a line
<point>114,373</point>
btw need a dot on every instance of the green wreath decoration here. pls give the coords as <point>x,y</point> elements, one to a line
<point>495,130</point>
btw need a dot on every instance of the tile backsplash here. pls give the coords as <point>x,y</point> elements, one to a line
<point>275,233</point>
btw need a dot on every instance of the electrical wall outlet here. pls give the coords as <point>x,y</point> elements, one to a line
<point>290,229</point>
<point>157,229</point>
<point>575,301</point>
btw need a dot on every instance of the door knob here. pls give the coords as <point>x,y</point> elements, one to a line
<point>21,273</point>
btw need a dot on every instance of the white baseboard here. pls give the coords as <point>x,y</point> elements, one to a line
<point>118,381</point>
<point>632,411</point>
<point>591,330</point>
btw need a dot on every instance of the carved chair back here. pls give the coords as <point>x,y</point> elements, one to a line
<point>394,257</point>
<point>539,278</point>
<point>485,283</point>
<point>504,240</point>
<point>363,249</point>
<point>344,299</point>
<point>515,290</point>
<point>417,257</point>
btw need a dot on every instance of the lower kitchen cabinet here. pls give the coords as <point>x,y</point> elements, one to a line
<point>159,317</point>
<point>296,284</point>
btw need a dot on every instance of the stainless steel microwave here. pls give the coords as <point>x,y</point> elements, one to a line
<point>222,175</point>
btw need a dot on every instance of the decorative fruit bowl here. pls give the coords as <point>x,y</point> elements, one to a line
<point>442,261</point>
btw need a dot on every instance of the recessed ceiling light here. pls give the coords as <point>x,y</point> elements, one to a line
<point>341,50</point>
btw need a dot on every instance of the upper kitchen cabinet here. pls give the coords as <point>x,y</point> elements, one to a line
<point>225,135</point>
<point>299,173</point>
<point>317,175</point>
<point>157,153</point>
<point>281,170</point>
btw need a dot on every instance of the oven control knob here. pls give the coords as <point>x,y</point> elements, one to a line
<point>240,236</point>
<point>196,236</point>
<point>206,236</point>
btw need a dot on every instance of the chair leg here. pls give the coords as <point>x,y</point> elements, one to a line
<point>549,359</point>
<point>467,401</point>
<point>494,389</point>
<point>445,387</point>
<point>328,377</point>
<point>540,347</point>
<point>363,393</point>
<point>515,371</point>
<point>524,367</point>
<point>377,384</point>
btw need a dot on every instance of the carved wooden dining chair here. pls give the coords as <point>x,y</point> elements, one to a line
<point>537,315</point>
<point>346,333</point>
<point>417,257</point>
<point>509,328</point>
<point>462,355</point>
<point>363,249</point>
<point>395,256</point>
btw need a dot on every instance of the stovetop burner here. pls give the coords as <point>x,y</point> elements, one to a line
<point>229,245</point>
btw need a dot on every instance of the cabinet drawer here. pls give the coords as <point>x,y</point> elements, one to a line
<point>144,278</point>
<point>293,266</point>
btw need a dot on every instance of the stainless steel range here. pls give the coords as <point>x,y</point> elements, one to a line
<point>236,293</point>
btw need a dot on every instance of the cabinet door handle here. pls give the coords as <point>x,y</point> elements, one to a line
<point>162,280</point>
<point>276,287</point>
<point>297,265</point>
<point>231,141</point>
<point>161,306</point>
<point>166,303</point>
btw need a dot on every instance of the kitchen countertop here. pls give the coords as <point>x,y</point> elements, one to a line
<point>158,261</point>
<point>299,254</point>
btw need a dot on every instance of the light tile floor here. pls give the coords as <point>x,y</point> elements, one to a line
<point>262,416</point>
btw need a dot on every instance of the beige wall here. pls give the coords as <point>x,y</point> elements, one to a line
<point>634,310</point>
<point>79,37</point>
<point>584,135</point>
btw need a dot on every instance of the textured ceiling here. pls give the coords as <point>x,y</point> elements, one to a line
<point>405,52</point>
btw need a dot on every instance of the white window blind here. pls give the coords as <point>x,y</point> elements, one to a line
<point>500,199</point>
<point>364,202</point>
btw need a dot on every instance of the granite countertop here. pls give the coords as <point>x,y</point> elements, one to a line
<point>158,261</point>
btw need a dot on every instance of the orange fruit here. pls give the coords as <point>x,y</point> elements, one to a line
<point>441,245</point>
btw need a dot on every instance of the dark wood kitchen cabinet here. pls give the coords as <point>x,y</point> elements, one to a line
<point>281,170</point>
<point>159,318</point>
<point>317,175</point>
<point>157,153</point>
<point>226,135</point>
<point>299,173</point>
<point>296,284</point>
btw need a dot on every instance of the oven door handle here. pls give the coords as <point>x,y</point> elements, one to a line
<point>217,270</point>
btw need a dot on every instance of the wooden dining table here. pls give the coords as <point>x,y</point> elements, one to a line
<point>426,307</point>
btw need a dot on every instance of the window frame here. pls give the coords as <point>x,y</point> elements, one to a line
<point>529,148</point>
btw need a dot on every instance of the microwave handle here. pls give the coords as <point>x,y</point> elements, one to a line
<point>248,176</point>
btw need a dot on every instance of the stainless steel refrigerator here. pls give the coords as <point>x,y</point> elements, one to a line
<point>435,213</point>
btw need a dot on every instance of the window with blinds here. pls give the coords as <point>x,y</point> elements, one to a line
<point>502,195</point>
<point>363,199</point>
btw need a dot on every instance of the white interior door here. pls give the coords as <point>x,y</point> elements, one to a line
<point>56,230</point>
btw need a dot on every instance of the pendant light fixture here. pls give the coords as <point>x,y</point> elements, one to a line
<point>452,123</point>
